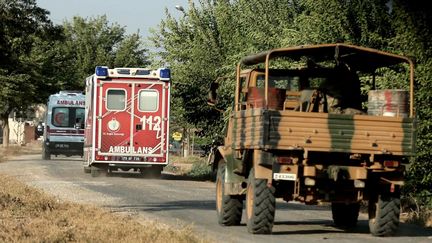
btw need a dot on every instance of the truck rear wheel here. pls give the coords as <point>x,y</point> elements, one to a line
<point>345,215</point>
<point>384,215</point>
<point>229,208</point>
<point>260,205</point>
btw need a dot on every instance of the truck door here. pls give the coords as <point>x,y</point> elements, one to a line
<point>149,119</point>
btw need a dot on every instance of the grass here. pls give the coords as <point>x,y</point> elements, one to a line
<point>192,167</point>
<point>15,150</point>
<point>415,212</point>
<point>29,215</point>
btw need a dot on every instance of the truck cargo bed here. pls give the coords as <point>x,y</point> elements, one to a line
<point>271,129</point>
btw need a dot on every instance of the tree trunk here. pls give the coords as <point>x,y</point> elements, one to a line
<point>5,128</point>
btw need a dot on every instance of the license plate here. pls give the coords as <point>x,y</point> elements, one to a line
<point>62,145</point>
<point>285,176</point>
<point>130,158</point>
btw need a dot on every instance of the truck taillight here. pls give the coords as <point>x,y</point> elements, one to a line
<point>391,163</point>
<point>284,160</point>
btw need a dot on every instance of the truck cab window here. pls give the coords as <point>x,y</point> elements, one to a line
<point>116,99</point>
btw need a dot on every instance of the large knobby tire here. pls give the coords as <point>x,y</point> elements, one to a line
<point>384,215</point>
<point>260,205</point>
<point>228,207</point>
<point>345,215</point>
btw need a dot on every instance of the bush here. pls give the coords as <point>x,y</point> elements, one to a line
<point>200,170</point>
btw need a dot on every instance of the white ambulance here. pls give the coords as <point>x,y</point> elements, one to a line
<point>64,125</point>
<point>126,120</point>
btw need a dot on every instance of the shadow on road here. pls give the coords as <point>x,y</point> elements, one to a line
<point>405,230</point>
<point>173,205</point>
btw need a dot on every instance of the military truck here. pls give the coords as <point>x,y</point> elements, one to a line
<point>312,124</point>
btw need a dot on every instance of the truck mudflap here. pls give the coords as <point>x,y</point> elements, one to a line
<point>234,180</point>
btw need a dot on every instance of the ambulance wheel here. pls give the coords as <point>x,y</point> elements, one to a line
<point>95,171</point>
<point>87,169</point>
<point>260,205</point>
<point>109,171</point>
<point>151,172</point>
<point>229,208</point>
<point>45,153</point>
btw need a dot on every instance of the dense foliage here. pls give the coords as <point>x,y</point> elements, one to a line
<point>94,42</point>
<point>23,25</point>
<point>38,59</point>
<point>212,36</point>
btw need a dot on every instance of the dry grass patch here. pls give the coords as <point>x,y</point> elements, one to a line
<point>29,215</point>
<point>182,165</point>
<point>15,150</point>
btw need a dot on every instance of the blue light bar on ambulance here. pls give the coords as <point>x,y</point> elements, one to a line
<point>164,74</point>
<point>101,71</point>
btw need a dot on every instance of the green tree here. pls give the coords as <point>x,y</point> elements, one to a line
<point>95,42</point>
<point>22,25</point>
<point>209,40</point>
<point>413,37</point>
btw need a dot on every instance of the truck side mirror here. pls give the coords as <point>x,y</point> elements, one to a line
<point>212,96</point>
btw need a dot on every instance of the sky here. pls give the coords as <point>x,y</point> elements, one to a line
<point>131,14</point>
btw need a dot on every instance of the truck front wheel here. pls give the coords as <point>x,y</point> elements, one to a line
<point>229,208</point>
<point>384,215</point>
<point>345,215</point>
<point>260,205</point>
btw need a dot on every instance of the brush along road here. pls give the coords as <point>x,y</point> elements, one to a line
<point>175,201</point>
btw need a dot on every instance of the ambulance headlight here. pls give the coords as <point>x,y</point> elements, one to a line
<point>164,74</point>
<point>102,71</point>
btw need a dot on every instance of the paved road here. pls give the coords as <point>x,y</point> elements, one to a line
<point>182,202</point>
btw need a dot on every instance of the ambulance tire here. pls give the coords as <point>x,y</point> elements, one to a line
<point>87,170</point>
<point>109,171</point>
<point>45,153</point>
<point>153,172</point>
<point>95,171</point>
